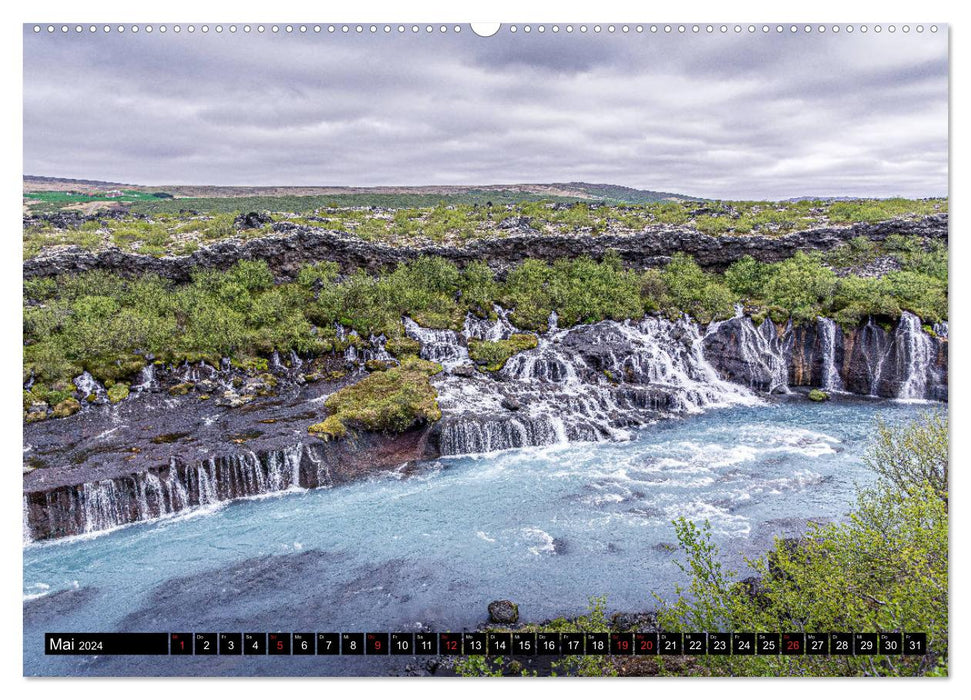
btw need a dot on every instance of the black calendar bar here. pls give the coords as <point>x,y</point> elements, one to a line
<point>486,643</point>
<point>113,643</point>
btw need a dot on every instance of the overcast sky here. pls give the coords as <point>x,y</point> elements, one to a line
<point>730,116</point>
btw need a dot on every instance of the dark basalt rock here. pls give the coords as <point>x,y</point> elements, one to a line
<point>252,220</point>
<point>503,612</point>
<point>291,246</point>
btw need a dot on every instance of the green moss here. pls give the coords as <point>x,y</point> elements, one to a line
<point>67,407</point>
<point>51,396</point>
<point>401,347</point>
<point>390,401</point>
<point>818,395</point>
<point>252,364</point>
<point>376,365</point>
<point>269,379</point>
<point>108,369</point>
<point>331,427</point>
<point>168,438</point>
<point>492,354</point>
<point>181,389</point>
<point>118,392</point>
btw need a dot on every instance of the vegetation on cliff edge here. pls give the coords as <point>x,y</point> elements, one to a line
<point>180,226</point>
<point>109,325</point>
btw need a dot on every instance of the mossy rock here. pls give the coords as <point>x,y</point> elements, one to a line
<point>117,369</point>
<point>251,364</point>
<point>493,354</point>
<point>51,397</point>
<point>330,427</point>
<point>402,347</point>
<point>818,395</point>
<point>67,407</point>
<point>417,364</point>
<point>390,401</point>
<point>118,392</point>
<point>376,365</point>
<point>35,416</point>
<point>181,389</point>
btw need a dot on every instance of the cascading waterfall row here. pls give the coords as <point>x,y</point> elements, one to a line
<point>586,383</point>
<point>109,503</point>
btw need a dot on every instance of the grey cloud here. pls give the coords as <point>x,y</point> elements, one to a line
<point>720,116</point>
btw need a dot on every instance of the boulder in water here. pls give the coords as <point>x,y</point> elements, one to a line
<point>510,404</point>
<point>818,395</point>
<point>503,612</point>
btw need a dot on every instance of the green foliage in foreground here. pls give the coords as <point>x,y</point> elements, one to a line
<point>595,620</point>
<point>884,569</point>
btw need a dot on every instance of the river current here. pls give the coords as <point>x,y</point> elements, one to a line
<point>429,548</point>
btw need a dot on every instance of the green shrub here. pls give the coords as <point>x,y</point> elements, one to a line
<point>492,354</point>
<point>693,291</point>
<point>883,569</point>
<point>803,285</point>
<point>748,277</point>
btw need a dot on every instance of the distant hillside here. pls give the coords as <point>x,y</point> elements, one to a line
<point>41,180</point>
<point>85,195</point>
<point>618,194</point>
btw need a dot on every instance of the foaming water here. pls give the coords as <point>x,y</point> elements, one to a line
<point>545,526</point>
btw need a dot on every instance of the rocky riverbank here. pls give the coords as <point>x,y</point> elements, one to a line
<point>170,446</point>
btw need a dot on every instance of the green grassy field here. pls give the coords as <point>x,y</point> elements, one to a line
<point>165,227</point>
<point>311,203</point>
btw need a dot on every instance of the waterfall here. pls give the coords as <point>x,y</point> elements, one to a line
<point>746,354</point>
<point>295,362</point>
<point>586,383</point>
<point>918,355</point>
<point>875,350</point>
<point>87,385</point>
<point>486,329</point>
<point>176,488</point>
<point>940,329</point>
<point>831,379</point>
<point>28,533</point>
<point>442,346</point>
<point>146,379</point>
<point>206,474</point>
<point>101,506</point>
<point>197,372</point>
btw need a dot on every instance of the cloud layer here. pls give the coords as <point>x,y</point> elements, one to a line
<point>753,116</point>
